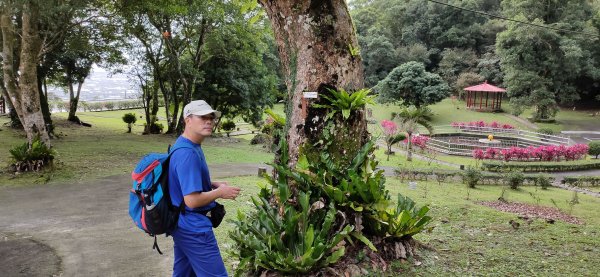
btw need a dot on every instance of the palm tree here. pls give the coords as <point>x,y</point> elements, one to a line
<point>410,119</point>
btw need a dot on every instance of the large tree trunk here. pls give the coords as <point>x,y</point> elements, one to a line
<point>44,102</point>
<point>30,51</point>
<point>74,102</point>
<point>8,58</point>
<point>317,47</point>
<point>24,93</point>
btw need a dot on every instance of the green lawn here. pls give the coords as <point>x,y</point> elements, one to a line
<point>446,112</point>
<point>569,120</point>
<point>471,239</point>
<point>106,149</point>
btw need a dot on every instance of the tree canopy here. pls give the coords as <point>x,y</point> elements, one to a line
<point>412,85</point>
<point>452,41</point>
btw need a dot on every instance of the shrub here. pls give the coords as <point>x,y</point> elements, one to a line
<point>471,176</point>
<point>582,181</point>
<point>496,166</point>
<point>155,128</point>
<point>594,149</point>
<point>260,139</point>
<point>130,119</point>
<point>515,179</point>
<point>403,219</point>
<point>480,124</point>
<point>543,181</point>
<point>32,158</point>
<point>545,131</point>
<point>390,130</point>
<point>228,126</point>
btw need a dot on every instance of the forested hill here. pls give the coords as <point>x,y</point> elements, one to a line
<point>465,42</point>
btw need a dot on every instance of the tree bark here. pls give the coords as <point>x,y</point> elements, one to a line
<point>8,67</point>
<point>317,47</point>
<point>31,45</point>
<point>74,101</point>
<point>23,89</point>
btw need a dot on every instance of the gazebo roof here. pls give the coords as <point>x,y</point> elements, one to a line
<point>485,87</point>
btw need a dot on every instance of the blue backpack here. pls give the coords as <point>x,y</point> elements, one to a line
<point>150,204</point>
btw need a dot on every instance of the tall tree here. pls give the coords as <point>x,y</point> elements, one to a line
<point>319,50</point>
<point>84,45</point>
<point>22,84</point>
<point>412,85</point>
<point>542,65</point>
<point>235,80</point>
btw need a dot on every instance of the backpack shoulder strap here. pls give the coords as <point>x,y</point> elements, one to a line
<point>181,145</point>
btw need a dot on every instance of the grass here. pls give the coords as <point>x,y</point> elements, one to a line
<point>568,119</point>
<point>471,239</point>
<point>106,149</point>
<point>477,240</point>
<point>446,112</point>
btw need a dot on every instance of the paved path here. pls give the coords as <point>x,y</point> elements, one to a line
<point>87,226</point>
<point>525,122</point>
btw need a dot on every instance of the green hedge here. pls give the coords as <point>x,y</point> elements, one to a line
<point>445,176</point>
<point>497,166</point>
<point>582,181</point>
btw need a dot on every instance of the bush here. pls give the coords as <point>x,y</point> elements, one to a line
<point>545,131</point>
<point>582,181</point>
<point>543,181</point>
<point>228,126</point>
<point>594,149</point>
<point>32,158</point>
<point>515,179</point>
<point>496,166</point>
<point>155,128</point>
<point>130,119</point>
<point>471,176</point>
<point>260,139</point>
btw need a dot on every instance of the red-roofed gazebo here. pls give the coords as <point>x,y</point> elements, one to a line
<point>483,91</point>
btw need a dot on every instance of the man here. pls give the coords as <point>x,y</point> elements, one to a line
<point>195,245</point>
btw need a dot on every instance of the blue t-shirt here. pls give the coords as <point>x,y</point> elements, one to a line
<point>188,173</point>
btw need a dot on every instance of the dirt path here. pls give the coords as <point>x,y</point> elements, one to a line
<point>82,229</point>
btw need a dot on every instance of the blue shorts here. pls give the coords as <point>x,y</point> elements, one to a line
<point>197,254</point>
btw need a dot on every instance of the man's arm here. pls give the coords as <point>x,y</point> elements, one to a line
<point>216,184</point>
<point>200,199</point>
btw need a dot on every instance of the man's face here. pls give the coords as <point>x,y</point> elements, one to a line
<point>201,125</point>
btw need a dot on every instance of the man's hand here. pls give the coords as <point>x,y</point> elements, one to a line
<point>228,192</point>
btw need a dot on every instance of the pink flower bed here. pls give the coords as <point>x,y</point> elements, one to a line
<point>480,124</point>
<point>541,153</point>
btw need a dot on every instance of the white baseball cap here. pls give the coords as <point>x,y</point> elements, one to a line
<point>199,107</point>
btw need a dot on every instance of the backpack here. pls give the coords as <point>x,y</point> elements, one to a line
<point>150,204</point>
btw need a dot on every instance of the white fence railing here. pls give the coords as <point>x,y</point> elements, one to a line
<point>462,140</point>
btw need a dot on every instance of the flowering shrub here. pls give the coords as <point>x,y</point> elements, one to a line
<point>390,130</point>
<point>480,124</point>
<point>541,153</point>
<point>389,127</point>
<point>419,141</point>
